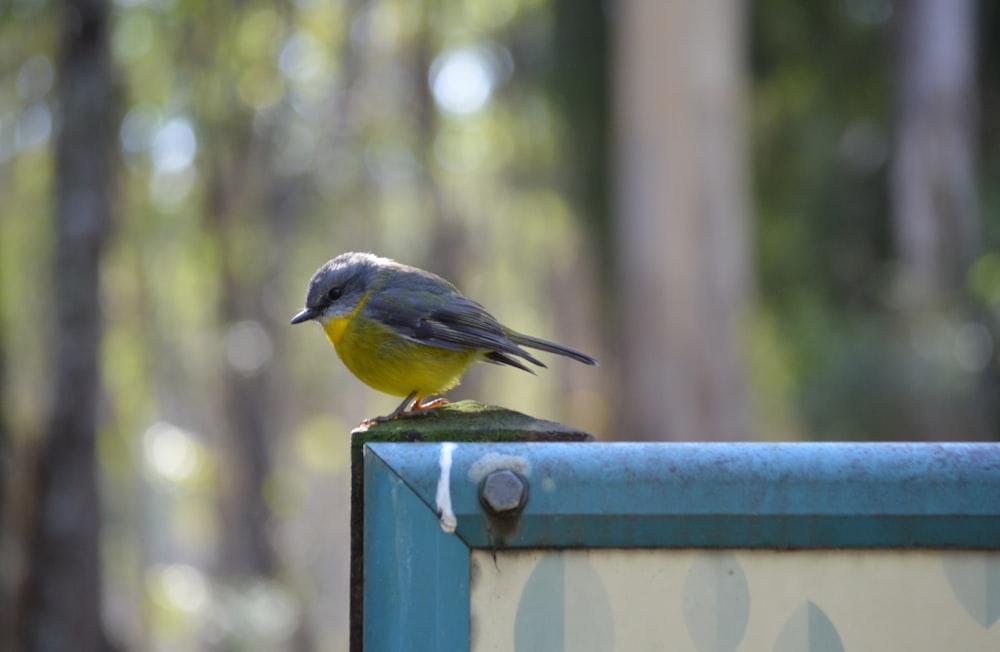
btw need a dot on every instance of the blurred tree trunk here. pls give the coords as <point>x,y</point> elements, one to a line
<point>62,608</point>
<point>933,176</point>
<point>449,233</point>
<point>246,550</point>
<point>579,80</point>
<point>683,223</point>
<point>935,212</point>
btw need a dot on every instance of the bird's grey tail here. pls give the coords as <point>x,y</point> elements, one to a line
<point>550,346</point>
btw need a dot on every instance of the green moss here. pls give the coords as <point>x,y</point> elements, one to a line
<point>467,421</point>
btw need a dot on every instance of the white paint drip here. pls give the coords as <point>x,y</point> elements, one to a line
<point>443,497</point>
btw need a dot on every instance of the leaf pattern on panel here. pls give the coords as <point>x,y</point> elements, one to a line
<point>809,630</point>
<point>716,602</point>
<point>975,579</point>
<point>564,606</point>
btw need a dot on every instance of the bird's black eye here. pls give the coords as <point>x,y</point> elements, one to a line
<point>334,293</point>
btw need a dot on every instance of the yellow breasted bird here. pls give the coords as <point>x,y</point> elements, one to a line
<point>408,332</point>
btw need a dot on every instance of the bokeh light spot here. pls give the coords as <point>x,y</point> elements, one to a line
<point>248,347</point>
<point>34,127</point>
<point>35,78</point>
<point>302,58</point>
<point>138,128</point>
<point>261,611</point>
<point>133,37</point>
<point>180,587</point>
<point>170,453</point>
<point>260,86</point>
<point>258,32</point>
<point>174,146</point>
<point>462,80</point>
<point>169,189</point>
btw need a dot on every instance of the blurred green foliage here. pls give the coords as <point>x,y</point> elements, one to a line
<point>829,321</point>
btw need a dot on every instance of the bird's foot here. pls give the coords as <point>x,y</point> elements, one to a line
<point>413,405</point>
<point>420,405</point>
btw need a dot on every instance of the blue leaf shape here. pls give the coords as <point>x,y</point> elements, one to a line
<point>716,602</point>
<point>975,580</point>
<point>564,606</point>
<point>809,630</point>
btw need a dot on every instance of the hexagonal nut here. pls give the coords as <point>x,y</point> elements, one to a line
<point>503,492</point>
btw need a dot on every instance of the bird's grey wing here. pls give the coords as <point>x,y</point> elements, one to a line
<point>464,322</point>
<point>427,311</point>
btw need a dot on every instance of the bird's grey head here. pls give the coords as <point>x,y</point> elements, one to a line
<point>337,287</point>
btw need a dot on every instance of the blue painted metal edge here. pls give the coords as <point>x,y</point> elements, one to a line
<point>804,495</point>
<point>416,576</point>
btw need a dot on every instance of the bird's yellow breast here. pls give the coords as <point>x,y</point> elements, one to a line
<point>393,364</point>
<point>334,328</point>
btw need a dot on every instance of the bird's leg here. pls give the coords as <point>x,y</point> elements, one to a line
<point>438,402</point>
<point>395,413</point>
<point>411,405</point>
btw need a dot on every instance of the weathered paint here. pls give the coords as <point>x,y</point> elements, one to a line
<point>725,495</point>
<point>416,576</point>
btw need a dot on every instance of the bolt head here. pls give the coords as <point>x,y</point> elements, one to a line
<point>503,492</point>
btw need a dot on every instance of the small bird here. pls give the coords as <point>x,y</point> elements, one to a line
<point>407,332</point>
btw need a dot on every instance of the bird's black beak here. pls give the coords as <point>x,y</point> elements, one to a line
<point>305,315</point>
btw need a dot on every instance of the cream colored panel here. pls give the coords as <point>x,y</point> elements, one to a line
<point>718,601</point>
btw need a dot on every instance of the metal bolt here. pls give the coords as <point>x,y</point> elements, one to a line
<point>503,492</point>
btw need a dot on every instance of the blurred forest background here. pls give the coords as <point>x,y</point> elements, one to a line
<point>769,220</point>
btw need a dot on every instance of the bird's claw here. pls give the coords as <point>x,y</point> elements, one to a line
<point>407,409</point>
